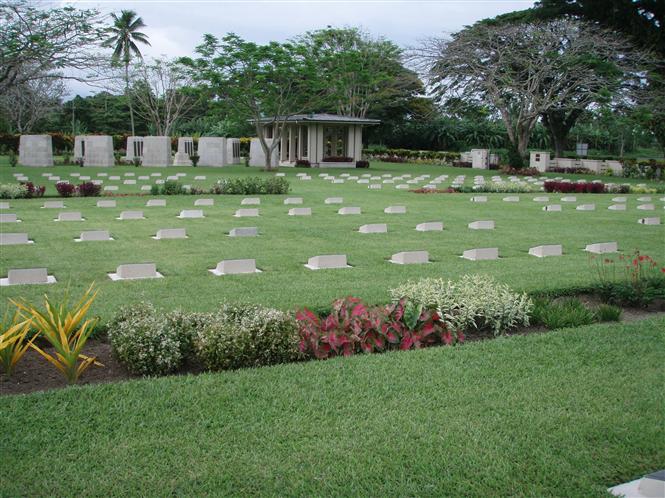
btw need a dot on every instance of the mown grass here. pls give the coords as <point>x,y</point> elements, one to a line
<point>287,242</point>
<point>567,413</point>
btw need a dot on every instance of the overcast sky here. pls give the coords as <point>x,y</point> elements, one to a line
<point>175,27</point>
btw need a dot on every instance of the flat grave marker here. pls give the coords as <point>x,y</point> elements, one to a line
<point>235,267</point>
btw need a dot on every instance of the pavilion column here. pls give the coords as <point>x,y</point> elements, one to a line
<point>291,145</point>
<point>282,149</point>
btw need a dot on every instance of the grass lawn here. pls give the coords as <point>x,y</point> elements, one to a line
<point>286,242</point>
<point>566,413</point>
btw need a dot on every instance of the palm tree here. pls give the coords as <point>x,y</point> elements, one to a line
<point>123,36</point>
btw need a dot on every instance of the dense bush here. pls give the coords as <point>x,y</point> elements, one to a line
<point>33,190</point>
<point>145,340</point>
<point>507,170</point>
<point>569,312</point>
<point>251,185</point>
<point>89,189</point>
<point>473,302</point>
<point>572,171</point>
<point>246,336</point>
<point>21,190</point>
<point>12,191</point>
<point>385,154</point>
<point>362,164</point>
<point>353,327</point>
<point>643,169</point>
<point>574,187</point>
<point>65,189</point>
<point>303,163</point>
<point>337,159</point>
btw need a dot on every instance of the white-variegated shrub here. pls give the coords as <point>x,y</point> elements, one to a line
<point>472,303</point>
<point>146,341</point>
<point>247,336</point>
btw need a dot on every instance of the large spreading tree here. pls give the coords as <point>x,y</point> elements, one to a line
<point>527,70</point>
<point>55,43</point>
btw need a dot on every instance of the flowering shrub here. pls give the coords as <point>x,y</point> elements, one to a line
<point>33,190</point>
<point>473,302</point>
<point>89,189</point>
<point>507,170</point>
<point>635,280</point>
<point>144,342</point>
<point>246,336</point>
<point>570,187</point>
<point>65,189</point>
<point>352,327</point>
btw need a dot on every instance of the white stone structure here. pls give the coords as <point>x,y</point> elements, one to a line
<point>395,210</point>
<point>539,160</point>
<point>156,151</point>
<point>94,150</point>
<point>251,201</point>
<point>131,215</point>
<point>293,200</point>
<point>156,203</point>
<point>257,156</point>
<point>334,200</point>
<point>191,213</point>
<point>300,211</point>
<point>649,221</point>
<point>212,151</point>
<point>480,158</point>
<point>70,216</point>
<point>35,150</point>
<point>325,140</point>
<point>482,225</point>
<point>134,149</point>
<point>232,151</point>
<point>13,239</point>
<point>244,213</point>
<point>349,210</point>
<point>204,202</point>
<point>602,247</point>
<point>185,149</point>
<point>53,205</point>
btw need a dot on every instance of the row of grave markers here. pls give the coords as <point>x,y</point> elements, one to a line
<point>136,271</point>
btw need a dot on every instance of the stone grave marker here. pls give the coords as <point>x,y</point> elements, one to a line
<point>27,276</point>
<point>646,207</point>
<point>235,267</point>
<point>410,258</point>
<point>156,203</point>
<point>293,200</point>
<point>94,235</point>
<point>329,261</point>
<point>53,205</point>
<point>349,210</point>
<point>546,250</point>
<point>244,232</point>
<point>511,198</point>
<point>134,271</point>
<point>649,221</point>
<point>482,225</point>
<point>602,247</point>
<point>373,228</point>
<point>14,239</point>
<point>244,213</point>
<point>617,207</point>
<point>480,254</point>
<point>69,216</point>
<point>191,213</point>
<point>300,212</point>
<point>430,226</point>
<point>9,218</point>
<point>171,233</point>
<point>131,215</point>
<point>250,201</point>
<point>552,208</point>
<point>204,202</point>
<point>395,210</point>
<point>586,207</point>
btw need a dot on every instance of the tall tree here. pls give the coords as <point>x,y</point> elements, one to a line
<point>362,73</point>
<point>265,84</point>
<point>526,70</point>
<point>28,103</point>
<point>56,43</point>
<point>123,37</point>
<point>162,96</point>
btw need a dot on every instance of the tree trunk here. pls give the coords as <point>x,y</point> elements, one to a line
<point>129,98</point>
<point>267,150</point>
<point>558,125</point>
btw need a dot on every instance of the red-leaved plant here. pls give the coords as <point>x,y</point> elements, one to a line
<point>353,327</point>
<point>65,189</point>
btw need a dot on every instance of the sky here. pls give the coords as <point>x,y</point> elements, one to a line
<point>176,27</point>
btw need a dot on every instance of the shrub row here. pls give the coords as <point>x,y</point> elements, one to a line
<point>577,187</point>
<point>150,342</point>
<point>229,186</point>
<point>23,190</point>
<point>85,189</point>
<point>429,155</point>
